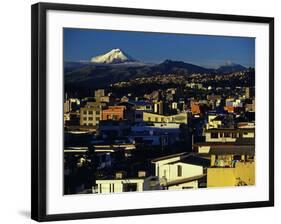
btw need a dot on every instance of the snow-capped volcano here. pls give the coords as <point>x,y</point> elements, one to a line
<point>115,56</point>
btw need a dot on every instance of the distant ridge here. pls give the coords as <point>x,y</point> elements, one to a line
<point>115,66</point>
<point>230,67</point>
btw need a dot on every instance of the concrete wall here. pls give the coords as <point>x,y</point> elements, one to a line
<point>170,171</point>
<point>192,184</point>
<point>89,116</point>
<point>223,138</point>
<point>178,118</point>
<point>106,186</point>
<point>219,139</point>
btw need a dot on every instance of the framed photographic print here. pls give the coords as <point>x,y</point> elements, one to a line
<point>138,111</point>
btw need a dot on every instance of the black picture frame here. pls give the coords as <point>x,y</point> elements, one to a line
<point>38,108</point>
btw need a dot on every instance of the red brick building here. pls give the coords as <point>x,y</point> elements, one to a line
<point>195,108</point>
<point>114,113</point>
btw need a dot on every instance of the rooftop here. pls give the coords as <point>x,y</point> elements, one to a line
<point>169,157</point>
<point>194,160</point>
<point>185,180</point>
<point>230,150</point>
<point>230,130</point>
<point>239,142</point>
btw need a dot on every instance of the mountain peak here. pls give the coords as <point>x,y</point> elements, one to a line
<point>231,67</point>
<point>229,63</point>
<point>114,56</point>
<point>116,50</point>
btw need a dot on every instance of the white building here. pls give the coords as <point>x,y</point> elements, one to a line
<point>214,121</point>
<point>141,107</point>
<point>156,133</point>
<point>69,103</point>
<point>122,184</point>
<point>194,85</point>
<point>233,102</point>
<point>180,171</point>
<point>229,134</point>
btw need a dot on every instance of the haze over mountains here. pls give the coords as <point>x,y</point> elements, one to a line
<point>116,65</point>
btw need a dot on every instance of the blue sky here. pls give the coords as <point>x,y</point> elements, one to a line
<point>207,51</point>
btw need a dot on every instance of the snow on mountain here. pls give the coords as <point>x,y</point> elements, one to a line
<point>115,56</point>
<point>230,67</point>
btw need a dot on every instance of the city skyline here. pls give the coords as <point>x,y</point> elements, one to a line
<point>134,127</point>
<point>206,51</point>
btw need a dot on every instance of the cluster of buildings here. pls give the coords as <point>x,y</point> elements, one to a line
<point>160,141</point>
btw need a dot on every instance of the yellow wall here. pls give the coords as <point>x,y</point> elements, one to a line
<point>219,177</point>
<point>246,171</point>
<point>243,173</point>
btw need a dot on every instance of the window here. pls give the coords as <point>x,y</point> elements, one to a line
<point>214,135</point>
<point>84,112</point>
<point>84,118</point>
<point>149,118</point>
<point>162,119</point>
<point>90,118</point>
<point>179,170</point>
<point>237,157</point>
<point>90,112</point>
<point>112,188</point>
<point>97,118</point>
<point>226,134</point>
<point>97,112</point>
<point>157,171</point>
<point>245,133</point>
<point>156,119</point>
<point>250,157</point>
<point>127,187</point>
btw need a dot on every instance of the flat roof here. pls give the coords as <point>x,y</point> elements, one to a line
<point>230,150</point>
<point>169,156</point>
<point>241,150</point>
<point>239,142</point>
<point>113,178</point>
<point>230,130</point>
<point>194,160</point>
<point>185,180</point>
